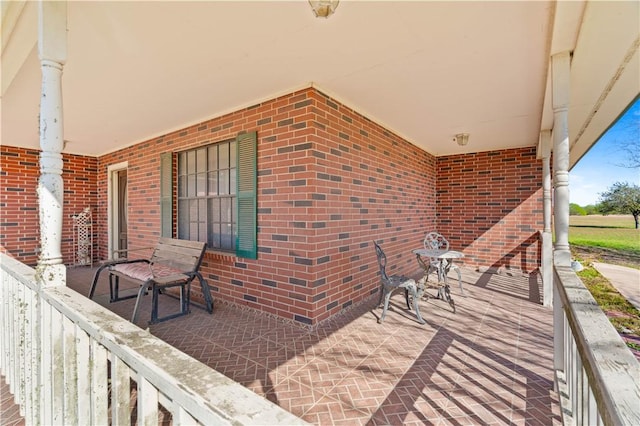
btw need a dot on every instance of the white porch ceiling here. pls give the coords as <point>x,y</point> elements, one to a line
<point>424,69</point>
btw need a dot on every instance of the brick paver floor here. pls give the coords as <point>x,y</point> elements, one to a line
<point>489,363</point>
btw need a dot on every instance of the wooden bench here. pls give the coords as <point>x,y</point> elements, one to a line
<point>174,263</point>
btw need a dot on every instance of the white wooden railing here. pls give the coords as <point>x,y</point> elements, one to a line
<point>70,361</point>
<point>597,376</point>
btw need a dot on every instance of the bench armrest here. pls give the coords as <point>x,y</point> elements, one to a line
<point>123,261</point>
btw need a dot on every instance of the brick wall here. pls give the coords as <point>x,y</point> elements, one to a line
<point>330,181</point>
<point>19,221</point>
<point>490,205</point>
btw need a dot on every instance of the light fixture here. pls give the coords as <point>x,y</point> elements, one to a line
<point>462,139</point>
<point>323,8</point>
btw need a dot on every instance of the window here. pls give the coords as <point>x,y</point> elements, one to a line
<point>207,195</point>
<point>216,195</point>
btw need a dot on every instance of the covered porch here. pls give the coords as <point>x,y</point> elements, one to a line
<point>357,139</point>
<point>489,363</point>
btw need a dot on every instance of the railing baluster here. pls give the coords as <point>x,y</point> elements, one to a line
<point>70,373</point>
<point>57,368</point>
<point>147,397</point>
<point>99,385</point>
<point>120,392</point>
<point>83,362</point>
<point>31,362</point>
<point>11,338</point>
<point>4,329</point>
<point>46,362</point>
<point>181,417</point>
<point>20,355</point>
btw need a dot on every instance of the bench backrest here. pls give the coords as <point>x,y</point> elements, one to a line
<point>183,255</point>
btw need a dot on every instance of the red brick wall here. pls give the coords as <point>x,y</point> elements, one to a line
<point>329,182</point>
<point>19,221</point>
<point>490,205</point>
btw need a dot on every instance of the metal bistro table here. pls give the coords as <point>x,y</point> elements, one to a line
<point>443,260</point>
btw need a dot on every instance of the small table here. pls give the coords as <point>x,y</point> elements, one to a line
<point>446,258</point>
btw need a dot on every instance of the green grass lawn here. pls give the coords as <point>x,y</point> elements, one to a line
<point>610,232</point>
<point>614,231</point>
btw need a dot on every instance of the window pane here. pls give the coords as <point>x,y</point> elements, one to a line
<point>191,162</point>
<point>201,160</point>
<point>234,213</point>
<point>225,210</point>
<point>214,236</point>
<point>224,182</point>
<point>193,231</point>
<point>232,154</point>
<point>191,185</point>
<point>213,157</point>
<point>224,156</point>
<point>213,183</point>
<point>202,210</point>
<point>234,232</point>
<point>182,163</point>
<point>182,186</point>
<point>201,184</point>
<point>214,209</point>
<point>202,232</point>
<point>193,210</point>
<point>225,237</point>
<point>183,219</point>
<point>232,181</point>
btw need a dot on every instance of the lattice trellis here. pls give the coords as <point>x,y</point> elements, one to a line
<point>83,237</point>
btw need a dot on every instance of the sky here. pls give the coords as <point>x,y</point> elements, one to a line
<point>599,168</point>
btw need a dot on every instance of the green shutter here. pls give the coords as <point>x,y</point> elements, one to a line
<point>246,239</point>
<point>166,194</point>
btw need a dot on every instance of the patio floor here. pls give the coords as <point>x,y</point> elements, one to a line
<point>489,363</point>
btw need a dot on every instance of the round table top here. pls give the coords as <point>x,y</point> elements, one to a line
<point>440,254</point>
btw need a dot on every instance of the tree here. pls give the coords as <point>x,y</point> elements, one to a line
<point>621,198</point>
<point>631,148</point>
<point>591,209</point>
<point>576,210</point>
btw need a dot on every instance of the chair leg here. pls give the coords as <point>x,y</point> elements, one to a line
<point>387,296</point>
<point>460,281</point>
<point>185,297</point>
<point>142,291</point>
<point>114,284</point>
<point>155,292</point>
<point>448,298</point>
<point>381,296</point>
<point>94,283</point>
<point>206,291</point>
<point>414,293</point>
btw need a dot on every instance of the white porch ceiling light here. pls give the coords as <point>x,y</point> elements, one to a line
<point>323,8</point>
<point>462,139</point>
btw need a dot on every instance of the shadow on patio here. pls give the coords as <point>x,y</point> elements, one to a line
<point>491,362</point>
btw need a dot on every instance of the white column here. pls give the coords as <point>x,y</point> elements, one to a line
<point>547,243</point>
<point>560,69</point>
<point>52,48</point>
